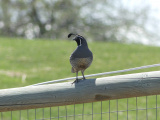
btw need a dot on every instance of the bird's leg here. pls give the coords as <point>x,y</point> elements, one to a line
<point>76,81</point>
<point>77,77</point>
<point>83,74</point>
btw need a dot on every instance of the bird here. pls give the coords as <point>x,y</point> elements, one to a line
<point>82,57</point>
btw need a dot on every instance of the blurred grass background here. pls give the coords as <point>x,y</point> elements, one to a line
<point>25,62</point>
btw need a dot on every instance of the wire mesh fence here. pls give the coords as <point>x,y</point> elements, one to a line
<point>137,108</point>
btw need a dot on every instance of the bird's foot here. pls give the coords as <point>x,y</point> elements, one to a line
<point>76,81</point>
<point>84,78</point>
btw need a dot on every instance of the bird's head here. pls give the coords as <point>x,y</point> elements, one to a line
<point>79,39</point>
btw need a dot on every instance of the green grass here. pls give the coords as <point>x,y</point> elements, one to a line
<point>44,60</point>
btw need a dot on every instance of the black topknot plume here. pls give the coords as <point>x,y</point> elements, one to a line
<point>69,35</point>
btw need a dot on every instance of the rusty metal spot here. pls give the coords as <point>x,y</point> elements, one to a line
<point>102,97</point>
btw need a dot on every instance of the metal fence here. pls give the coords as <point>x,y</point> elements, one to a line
<point>137,108</point>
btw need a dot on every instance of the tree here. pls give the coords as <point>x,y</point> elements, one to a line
<point>99,19</point>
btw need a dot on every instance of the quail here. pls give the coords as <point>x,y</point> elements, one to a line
<point>82,57</point>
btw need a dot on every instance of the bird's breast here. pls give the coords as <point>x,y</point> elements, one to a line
<point>81,63</point>
<point>81,52</point>
<point>81,58</point>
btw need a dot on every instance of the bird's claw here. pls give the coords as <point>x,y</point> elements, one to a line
<point>76,81</point>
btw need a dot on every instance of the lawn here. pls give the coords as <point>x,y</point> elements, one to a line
<point>26,62</point>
